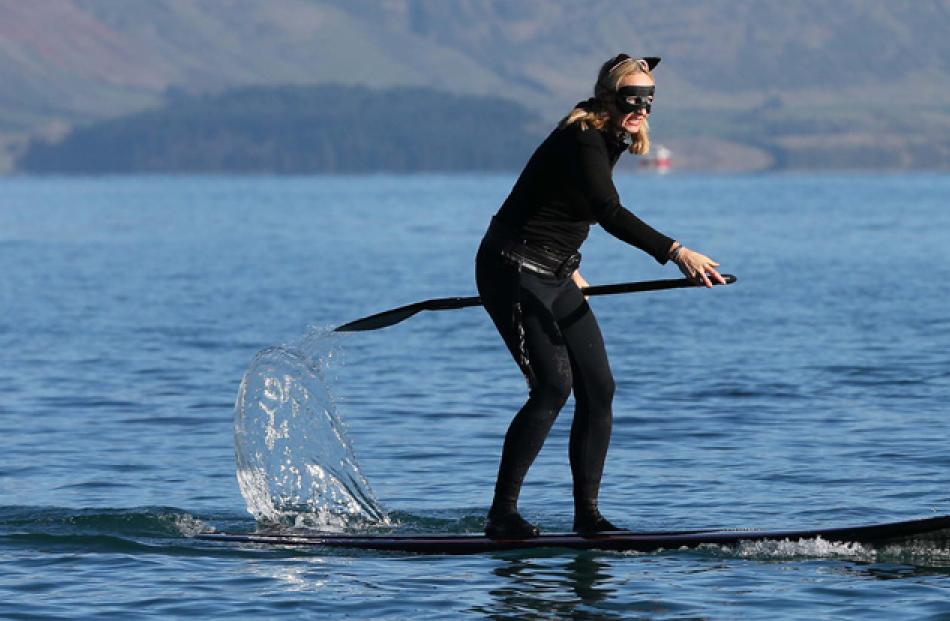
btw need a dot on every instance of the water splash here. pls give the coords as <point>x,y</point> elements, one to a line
<point>809,548</point>
<point>295,465</point>
<point>926,550</point>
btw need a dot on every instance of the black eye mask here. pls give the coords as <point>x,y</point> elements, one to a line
<point>634,98</point>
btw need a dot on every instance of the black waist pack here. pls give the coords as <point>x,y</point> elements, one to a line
<point>531,257</point>
<point>540,260</point>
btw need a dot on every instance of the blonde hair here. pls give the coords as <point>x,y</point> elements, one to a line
<point>597,111</point>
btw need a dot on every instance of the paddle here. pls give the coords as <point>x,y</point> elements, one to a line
<point>396,315</point>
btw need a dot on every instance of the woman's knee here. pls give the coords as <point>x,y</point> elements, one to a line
<point>552,391</point>
<point>598,391</point>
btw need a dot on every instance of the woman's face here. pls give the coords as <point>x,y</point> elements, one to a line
<point>631,122</point>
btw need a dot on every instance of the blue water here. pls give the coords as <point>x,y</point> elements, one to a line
<point>812,392</point>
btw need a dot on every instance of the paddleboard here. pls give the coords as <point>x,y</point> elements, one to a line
<point>874,534</point>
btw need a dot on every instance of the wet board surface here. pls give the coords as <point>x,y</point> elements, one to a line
<point>874,534</point>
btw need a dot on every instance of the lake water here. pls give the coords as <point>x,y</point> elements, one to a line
<point>812,392</point>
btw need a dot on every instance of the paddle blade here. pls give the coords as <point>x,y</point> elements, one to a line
<point>380,320</point>
<point>396,315</point>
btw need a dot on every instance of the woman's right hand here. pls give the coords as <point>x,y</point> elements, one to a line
<point>698,267</point>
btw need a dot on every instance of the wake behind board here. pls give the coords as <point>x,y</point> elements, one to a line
<point>875,534</point>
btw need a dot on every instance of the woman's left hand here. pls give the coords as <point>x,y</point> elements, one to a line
<point>698,267</point>
<point>580,281</point>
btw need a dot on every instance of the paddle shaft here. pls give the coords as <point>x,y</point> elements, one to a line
<point>397,315</point>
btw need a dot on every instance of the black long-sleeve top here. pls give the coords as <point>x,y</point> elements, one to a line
<point>566,186</point>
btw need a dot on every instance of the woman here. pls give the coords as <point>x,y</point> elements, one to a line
<point>527,277</point>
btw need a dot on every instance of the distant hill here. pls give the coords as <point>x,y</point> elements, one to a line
<point>743,84</point>
<point>303,129</point>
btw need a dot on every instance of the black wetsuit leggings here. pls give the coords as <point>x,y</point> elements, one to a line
<point>553,335</point>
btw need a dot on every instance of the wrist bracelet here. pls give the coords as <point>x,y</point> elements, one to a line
<point>675,253</point>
